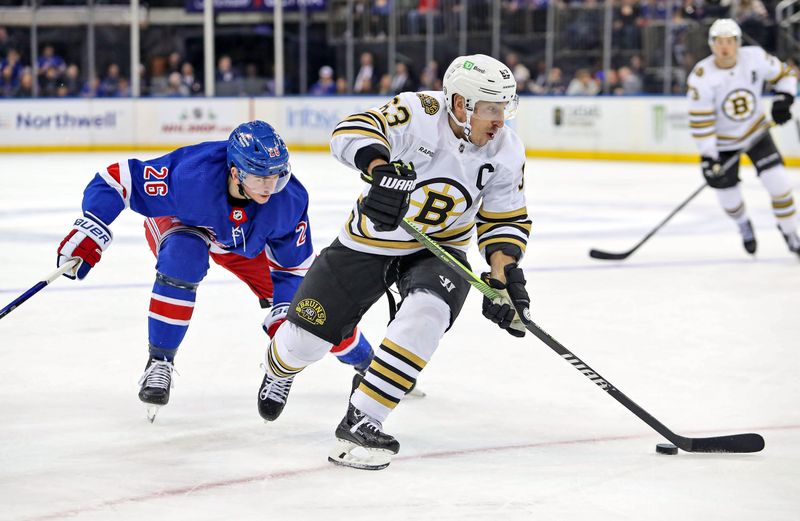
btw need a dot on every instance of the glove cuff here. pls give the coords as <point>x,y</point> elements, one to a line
<point>95,229</point>
<point>275,318</point>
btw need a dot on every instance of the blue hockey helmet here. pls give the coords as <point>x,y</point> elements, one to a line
<point>255,148</point>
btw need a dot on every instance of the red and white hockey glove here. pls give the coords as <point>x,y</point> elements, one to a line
<point>87,241</point>
<point>275,318</point>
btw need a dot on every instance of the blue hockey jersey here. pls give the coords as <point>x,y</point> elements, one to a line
<point>191,184</point>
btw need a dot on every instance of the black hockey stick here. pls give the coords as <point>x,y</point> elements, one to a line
<point>36,288</point>
<point>732,443</point>
<point>605,255</point>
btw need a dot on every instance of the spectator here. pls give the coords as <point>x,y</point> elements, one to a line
<point>10,72</point>
<point>225,72</point>
<point>630,81</point>
<point>109,86</point>
<point>366,75</point>
<point>627,25</point>
<point>752,17</point>
<point>584,31</point>
<point>228,82</point>
<point>385,85</point>
<point>429,79</point>
<point>341,85</point>
<point>48,61</point>
<point>174,62</point>
<point>521,73</point>
<point>716,9</point>
<point>71,81</point>
<point>175,87</point>
<point>252,84</point>
<point>48,84</point>
<point>401,80</point>
<point>91,88</point>
<point>190,81</point>
<point>583,84</point>
<point>554,83</point>
<point>25,87</point>
<point>417,18</point>
<point>123,88</point>
<point>324,86</point>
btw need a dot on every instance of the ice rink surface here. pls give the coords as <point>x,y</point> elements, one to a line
<point>702,336</point>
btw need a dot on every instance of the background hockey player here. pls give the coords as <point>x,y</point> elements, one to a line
<point>446,161</point>
<point>726,112</point>
<point>235,201</point>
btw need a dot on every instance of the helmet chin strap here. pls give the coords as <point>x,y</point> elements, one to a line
<point>465,125</point>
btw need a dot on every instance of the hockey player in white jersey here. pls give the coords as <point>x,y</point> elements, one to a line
<point>726,113</point>
<point>446,161</point>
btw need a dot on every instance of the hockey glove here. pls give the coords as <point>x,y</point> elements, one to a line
<point>782,107</point>
<point>387,201</point>
<point>275,318</point>
<point>711,167</point>
<point>512,310</point>
<point>87,241</point>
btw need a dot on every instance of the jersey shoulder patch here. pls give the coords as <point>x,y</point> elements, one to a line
<point>429,104</point>
<point>698,71</point>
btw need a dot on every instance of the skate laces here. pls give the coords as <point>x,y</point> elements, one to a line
<point>368,422</point>
<point>158,375</point>
<point>276,389</point>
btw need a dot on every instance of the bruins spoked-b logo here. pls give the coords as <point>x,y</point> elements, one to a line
<point>739,105</point>
<point>312,311</point>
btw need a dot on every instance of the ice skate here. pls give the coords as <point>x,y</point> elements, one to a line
<point>361,444</point>
<point>155,385</point>
<point>792,241</point>
<point>748,237</point>
<point>272,396</point>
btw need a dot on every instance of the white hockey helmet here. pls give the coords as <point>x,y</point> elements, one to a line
<point>724,27</point>
<point>480,78</point>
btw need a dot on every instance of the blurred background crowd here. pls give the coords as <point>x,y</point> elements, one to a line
<point>554,47</point>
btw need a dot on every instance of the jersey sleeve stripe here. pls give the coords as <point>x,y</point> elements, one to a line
<point>482,244</point>
<point>490,227</point>
<point>702,124</point>
<point>703,135</point>
<point>363,119</point>
<point>276,266</point>
<point>701,112</point>
<point>118,177</point>
<point>379,118</point>
<point>516,215</point>
<point>360,131</point>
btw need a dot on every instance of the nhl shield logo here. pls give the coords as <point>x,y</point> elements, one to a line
<point>238,216</point>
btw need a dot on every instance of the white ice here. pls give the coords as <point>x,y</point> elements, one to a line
<point>702,336</point>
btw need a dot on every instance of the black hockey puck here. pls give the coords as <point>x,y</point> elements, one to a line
<point>666,448</point>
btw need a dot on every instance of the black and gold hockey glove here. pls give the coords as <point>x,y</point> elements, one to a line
<point>782,107</point>
<point>512,310</point>
<point>387,201</point>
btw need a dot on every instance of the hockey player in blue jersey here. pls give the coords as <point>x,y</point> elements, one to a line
<point>234,201</point>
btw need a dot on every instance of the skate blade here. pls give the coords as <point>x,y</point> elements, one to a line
<point>152,411</point>
<point>348,454</point>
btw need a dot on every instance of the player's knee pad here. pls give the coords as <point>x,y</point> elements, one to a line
<point>296,347</point>
<point>776,181</point>
<point>420,323</point>
<point>183,257</point>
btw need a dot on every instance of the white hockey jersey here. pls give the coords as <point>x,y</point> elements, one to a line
<point>725,105</point>
<point>458,186</point>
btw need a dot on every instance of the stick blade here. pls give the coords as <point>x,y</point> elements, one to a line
<point>738,443</point>
<point>605,255</point>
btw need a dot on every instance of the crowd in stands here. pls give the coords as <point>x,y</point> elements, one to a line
<point>175,76</point>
